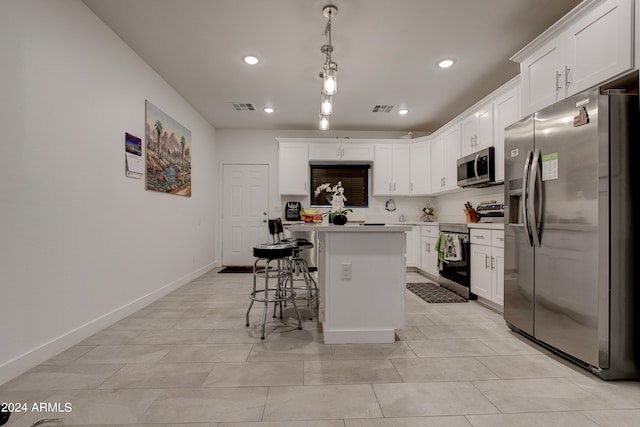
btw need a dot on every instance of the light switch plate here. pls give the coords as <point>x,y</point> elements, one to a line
<point>346,270</point>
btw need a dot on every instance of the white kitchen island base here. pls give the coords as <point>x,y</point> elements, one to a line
<point>362,280</point>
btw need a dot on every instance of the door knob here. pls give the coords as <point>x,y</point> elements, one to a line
<point>264,213</point>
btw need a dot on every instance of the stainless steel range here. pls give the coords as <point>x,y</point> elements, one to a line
<point>455,274</point>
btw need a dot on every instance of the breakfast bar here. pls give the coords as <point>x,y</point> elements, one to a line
<point>362,280</point>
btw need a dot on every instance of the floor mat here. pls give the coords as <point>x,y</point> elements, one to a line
<point>237,269</point>
<point>433,293</point>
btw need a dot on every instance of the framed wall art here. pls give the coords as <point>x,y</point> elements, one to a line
<point>168,153</point>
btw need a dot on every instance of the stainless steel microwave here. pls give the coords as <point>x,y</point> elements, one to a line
<point>477,169</point>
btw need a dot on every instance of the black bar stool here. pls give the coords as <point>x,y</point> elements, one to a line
<point>273,262</point>
<point>299,267</point>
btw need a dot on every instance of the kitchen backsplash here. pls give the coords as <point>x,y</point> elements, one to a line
<point>448,207</point>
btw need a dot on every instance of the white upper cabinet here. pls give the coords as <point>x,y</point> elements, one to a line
<point>477,130</point>
<point>445,151</point>
<point>419,167</point>
<point>358,152</point>
<point>506,109</point>
<point>293,168</point>
<point>542,79</point>
<point>589,46</point>
<point>452,141</point>
<point>600,45</point>
<point>391,175</point>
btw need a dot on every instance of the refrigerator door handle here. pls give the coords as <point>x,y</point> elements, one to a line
<point>535,185</point>
<point>525,196</point>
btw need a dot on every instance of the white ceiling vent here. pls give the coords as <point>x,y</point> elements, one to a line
<point>243,107</point>
<point>382,108</point>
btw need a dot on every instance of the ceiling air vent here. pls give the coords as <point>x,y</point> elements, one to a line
<point>382,108</point>
<point>243,107</point>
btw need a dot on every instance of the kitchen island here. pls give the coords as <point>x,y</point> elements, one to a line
<point>362,281</point>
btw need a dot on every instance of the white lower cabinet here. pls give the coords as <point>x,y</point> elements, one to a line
<point>428,253</point>
<point>413,246</point>
<point>487,264</point>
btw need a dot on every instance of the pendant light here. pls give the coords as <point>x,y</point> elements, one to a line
<point>329,72</point>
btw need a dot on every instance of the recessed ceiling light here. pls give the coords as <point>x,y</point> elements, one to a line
<point>446,63</point>
<point>268,110</point>
<point>403,111</point>
<point>251,60</point>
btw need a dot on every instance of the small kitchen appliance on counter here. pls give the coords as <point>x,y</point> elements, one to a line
<point>490,211</point>
<point>292,211</point>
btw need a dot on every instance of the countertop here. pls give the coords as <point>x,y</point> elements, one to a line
<point>487,225</point>
<point>305,226</point>
<point>347,228</point>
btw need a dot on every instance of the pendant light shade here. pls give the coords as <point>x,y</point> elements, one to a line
<point>325,106</point>
<point>324,122</point>
<point>330,79</point>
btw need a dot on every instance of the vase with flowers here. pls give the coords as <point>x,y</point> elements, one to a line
<point>335,196</point>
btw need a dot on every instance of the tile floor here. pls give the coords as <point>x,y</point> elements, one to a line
<point>188,360</point>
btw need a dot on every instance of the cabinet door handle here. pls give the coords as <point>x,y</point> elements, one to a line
<point>389,187</point>
<point>558,75</point>
<point>493,267</point>
<point>478,236</point>
<point>486,262</point>
<point>394,187</point>
<point>500,238</point>
<point>567,82</point>
<point>411,188</point>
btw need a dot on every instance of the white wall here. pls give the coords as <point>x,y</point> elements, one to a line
<point>260,146</point>
<point>81,245</point>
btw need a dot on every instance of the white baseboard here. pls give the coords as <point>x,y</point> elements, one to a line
<point>44,352</point>
<point>358,336</point>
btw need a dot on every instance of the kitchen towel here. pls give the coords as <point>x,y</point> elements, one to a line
<point>452,248</point>
<point>440,247</point>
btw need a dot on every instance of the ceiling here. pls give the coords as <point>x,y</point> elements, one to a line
<point>386,53</point>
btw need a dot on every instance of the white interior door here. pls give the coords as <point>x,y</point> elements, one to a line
<point>245,207</point>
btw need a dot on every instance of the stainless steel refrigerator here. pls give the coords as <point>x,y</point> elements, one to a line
<point>572,190</point>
